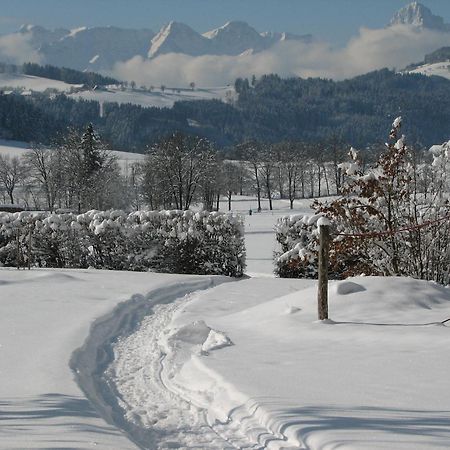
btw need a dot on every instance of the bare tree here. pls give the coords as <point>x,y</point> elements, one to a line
<point>231,179</point>
<point>45,168</point>
<point>336,151</point>
<point>12,171</point>
<point>177,168</point>
<point>268,168</point>
<point>251,152</point>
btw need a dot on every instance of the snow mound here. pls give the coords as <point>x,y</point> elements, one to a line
<point>195,333</point>
<point>215,341</point>
<point>291,309</point>
<point>198,334</point>
<point>348,287</point>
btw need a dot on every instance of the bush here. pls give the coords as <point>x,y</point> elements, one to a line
<point>298,238</point>
<point>163,241</point>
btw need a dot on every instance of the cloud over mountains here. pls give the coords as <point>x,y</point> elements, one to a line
<point>178,55</point>
<point>393,47</point>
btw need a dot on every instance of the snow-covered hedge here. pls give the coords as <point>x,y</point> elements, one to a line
<point>165,241</point>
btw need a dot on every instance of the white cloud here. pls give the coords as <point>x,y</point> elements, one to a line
<point>16,48</point>
<point>372,49</point>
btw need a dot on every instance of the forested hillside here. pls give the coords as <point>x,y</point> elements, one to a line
<point>271,109</point>
<point>70,76</point>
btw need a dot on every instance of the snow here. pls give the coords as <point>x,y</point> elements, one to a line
<point>373,377</point>
<point>114,94</point>
<point>33,83</point>
<point>13,148</point>
<point>75,31</point>
<point>420,16</point>
<point>441,69</point>
<point>215,341</point>
<point>260,239</point>
<point>397,122</point>
<point>45,316</point>
<point>159,39</point>
<point>347,287</point>
<point>206,362</point>
<point>323,221</point>
<point>94,59</point>
<point>156,98</point>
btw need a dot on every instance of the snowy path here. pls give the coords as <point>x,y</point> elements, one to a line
<point>44,316</point>
<point>260,242</point>
<point>119,370</point>
<point>158,418</point>
<point>159,414</point>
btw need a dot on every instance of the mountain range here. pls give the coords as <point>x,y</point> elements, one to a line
<point>100,48</point>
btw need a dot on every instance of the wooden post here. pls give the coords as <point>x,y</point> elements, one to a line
<point>18,249</point>
<point>324,236</point>
<point>29,247</point>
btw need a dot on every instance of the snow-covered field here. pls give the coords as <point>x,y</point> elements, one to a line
<point>157,98</point>
<point>113,94</point>
<point>45,315</point>
<point>441,69</point>
<point>374,377</point>
<point>241,364</point>
<point>32,83</point>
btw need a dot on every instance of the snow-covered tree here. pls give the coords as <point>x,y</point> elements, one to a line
<point>91,173</point>
<point>383,223</point>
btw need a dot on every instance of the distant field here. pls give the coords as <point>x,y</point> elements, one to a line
<point>114,94</point>
<point>30,82</point>
<point>441,69</point>
<point>155,98</point>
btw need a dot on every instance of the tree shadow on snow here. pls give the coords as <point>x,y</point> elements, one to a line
<point>23,415</point>
<point>428,425</point>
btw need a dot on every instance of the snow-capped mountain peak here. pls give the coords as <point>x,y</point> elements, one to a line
<point>100,48</point>
<point>177,37</point>
<point>419,15</point>
<point>234,38</point>
<point>232,27</point>
<point>79,47</point>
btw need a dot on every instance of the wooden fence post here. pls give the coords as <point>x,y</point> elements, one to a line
<point>29,247</point>
<point>18,249</point>
<point>324,249</point>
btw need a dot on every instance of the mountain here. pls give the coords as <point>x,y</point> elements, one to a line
<point>177,37</point>
<point>100,48</point>
<point>40,36</point>
<point>419,15</point>
<point>97,48</point>
<point>233,38</point>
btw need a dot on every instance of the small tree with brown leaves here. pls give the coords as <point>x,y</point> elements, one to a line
<point>384,225</point>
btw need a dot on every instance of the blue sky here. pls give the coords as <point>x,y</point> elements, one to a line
<point>333,20</point>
